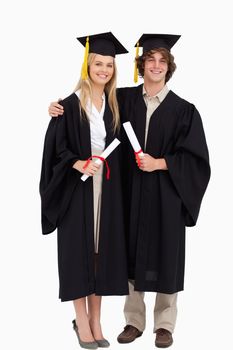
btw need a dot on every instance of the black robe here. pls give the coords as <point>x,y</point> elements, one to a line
<point>67,204</point>
<point>159,204</point>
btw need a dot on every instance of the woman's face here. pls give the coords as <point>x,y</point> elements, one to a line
<point>101,69</point>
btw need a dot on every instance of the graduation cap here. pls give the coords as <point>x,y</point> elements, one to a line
<point>154,41</point>
<point>105,44</point>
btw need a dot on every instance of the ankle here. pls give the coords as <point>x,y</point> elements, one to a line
<point>94,321</point>
<point>82,323</point>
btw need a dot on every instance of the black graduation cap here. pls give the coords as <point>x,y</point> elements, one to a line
<point>151,42</point>
<point>105,44</point>
<point>154,41</point>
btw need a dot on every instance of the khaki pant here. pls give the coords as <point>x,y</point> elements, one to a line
<point>165,310</point>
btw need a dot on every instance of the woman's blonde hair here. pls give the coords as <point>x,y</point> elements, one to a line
<point>110,88</point>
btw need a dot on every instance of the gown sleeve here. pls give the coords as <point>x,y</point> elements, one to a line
<point>188,164</point>
<point>58,178</point>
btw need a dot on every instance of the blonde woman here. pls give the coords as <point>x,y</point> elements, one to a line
<point>88,215</point>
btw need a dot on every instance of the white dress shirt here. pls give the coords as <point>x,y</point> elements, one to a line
<point>97,126</point>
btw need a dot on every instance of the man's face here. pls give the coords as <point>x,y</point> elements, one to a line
<point>155,68</point>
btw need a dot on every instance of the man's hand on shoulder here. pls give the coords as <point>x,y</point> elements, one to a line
<point>55,109</point>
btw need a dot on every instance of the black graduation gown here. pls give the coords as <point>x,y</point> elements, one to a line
<point>160,204</point>
<point>67,204</point>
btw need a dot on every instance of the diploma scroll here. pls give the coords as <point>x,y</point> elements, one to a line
<point>133,139</point>
<point>104,155</point>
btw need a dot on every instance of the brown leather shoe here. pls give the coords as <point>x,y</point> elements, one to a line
<point>129,334</point>
<point>163,338</point>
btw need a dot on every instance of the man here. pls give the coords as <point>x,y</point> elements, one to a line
<point>163,190</point>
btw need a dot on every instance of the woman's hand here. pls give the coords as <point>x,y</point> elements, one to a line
<point>90,170</point>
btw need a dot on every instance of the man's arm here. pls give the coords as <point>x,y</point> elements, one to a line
<point>55,109</point>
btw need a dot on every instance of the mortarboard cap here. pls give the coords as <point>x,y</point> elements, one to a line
<point>105,44</point>
<point>154,41</point>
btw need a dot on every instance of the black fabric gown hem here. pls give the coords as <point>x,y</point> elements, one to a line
<point>98,293</point>
<point>159,290</point>
<point>76,296</point>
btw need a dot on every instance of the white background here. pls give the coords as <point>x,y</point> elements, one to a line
<point>40,61</point>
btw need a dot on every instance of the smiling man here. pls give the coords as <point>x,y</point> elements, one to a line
<point>163,191</point>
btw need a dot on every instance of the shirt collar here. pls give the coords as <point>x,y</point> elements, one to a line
<point>160,95</point>
<point>89,104</point>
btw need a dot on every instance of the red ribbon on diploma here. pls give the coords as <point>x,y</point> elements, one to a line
<point>103,160</point>
<point>137,157</point>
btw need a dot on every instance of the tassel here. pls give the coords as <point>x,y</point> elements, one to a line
<point>84,66</point>
<point>135,64</point>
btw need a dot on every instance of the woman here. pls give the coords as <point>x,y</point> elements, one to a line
<point>88,215</point>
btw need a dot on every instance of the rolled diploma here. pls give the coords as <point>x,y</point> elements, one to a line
<point>133,138</point>
<point>104,155</point>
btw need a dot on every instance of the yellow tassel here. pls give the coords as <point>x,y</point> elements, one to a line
<point>84,66</point>
<point>135,64</point>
